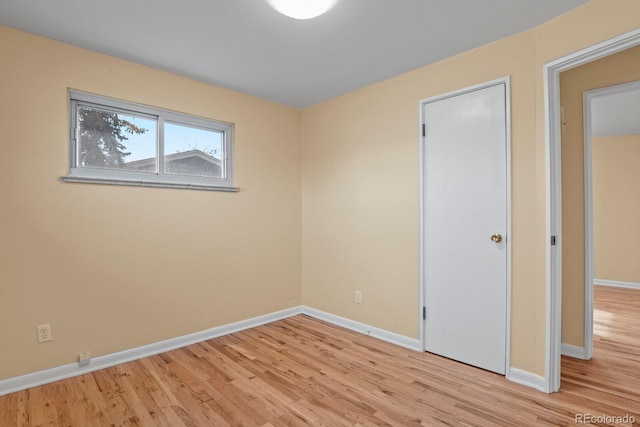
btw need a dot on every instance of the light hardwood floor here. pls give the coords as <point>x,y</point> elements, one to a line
<point>301,371</point>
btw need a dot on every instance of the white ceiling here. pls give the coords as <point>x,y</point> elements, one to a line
<point>616,114</point>
<point>246,46</point>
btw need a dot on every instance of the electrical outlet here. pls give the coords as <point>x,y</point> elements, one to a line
<point>44,333</point>
<point>358,297</point>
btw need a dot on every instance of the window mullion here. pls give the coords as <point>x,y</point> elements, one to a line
<point>73,131</point>
<point>160,145</point>
<point>225,155</point>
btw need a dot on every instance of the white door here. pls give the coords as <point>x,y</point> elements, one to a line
<point>465,265</point>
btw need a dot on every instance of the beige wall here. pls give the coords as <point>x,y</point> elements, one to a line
<point>352,216</point>
<point>615,69</point>
<point>114,267</point>
<point>360,189</point>
<point>616,207</point>
<point>360,180</point>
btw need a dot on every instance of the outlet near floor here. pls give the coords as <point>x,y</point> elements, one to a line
<point>44,333</point>
<point>358,297</point>
<point>84,358</point>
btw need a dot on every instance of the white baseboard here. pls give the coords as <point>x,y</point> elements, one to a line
<point>24,382</point>
<point>527,378</point>
<point>616,283</point>
<point>574,351</point>
<point>381,334</point>
<point>73,369</point>
<point>514,374</point>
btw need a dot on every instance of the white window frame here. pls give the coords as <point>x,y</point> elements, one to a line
<point>78,173</point>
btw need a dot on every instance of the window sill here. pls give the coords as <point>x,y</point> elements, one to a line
<point>141,183</point>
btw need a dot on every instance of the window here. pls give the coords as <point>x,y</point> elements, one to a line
<point>116,142</point>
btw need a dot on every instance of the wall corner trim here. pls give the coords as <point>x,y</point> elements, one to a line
<point>372,331</point>
<point>528,379</point>
<point>574,351</point>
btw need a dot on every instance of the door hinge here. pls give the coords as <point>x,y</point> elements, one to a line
<point>424,313</point>
<point>424,130</point>
<point>553,240</point>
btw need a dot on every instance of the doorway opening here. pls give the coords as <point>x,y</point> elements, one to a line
<point>611,150</point>
<point>554,121</point>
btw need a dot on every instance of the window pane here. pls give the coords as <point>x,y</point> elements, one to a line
<point>192,151</point>
<point>108,139</point>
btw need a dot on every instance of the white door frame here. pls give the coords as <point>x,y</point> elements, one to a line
<point>421,142</point>
<point>589,250</point>
<point>553,124</point>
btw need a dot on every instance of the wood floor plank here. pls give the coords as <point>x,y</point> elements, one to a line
<point>9,409</point>
<point>87,397</point>
<point>49,405</point>
<point>35,408</point>
<point>304,372</point>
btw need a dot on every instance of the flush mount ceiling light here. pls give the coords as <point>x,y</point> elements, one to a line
<point>302,9</point>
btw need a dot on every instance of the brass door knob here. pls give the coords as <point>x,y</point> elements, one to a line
<point>497,238</point>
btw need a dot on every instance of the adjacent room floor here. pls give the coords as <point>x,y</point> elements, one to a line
<point>302,371</point>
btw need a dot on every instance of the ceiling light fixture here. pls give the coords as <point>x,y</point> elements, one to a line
<point>302,9</point>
